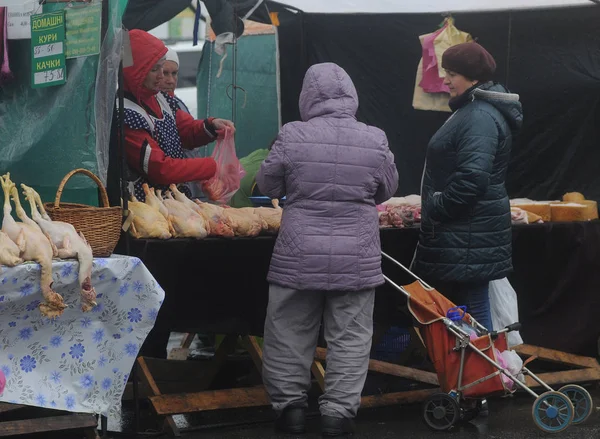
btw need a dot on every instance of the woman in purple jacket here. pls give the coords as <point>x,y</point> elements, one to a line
<point>326,263</point>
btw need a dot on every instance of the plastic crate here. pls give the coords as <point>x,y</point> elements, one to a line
<point>394,342</point>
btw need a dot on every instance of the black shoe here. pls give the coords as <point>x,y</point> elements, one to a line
<point>291,420</point>
<point>331,426</point>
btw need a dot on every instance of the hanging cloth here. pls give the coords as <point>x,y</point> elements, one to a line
<point>5,73</point>
<point>431,82</point>
<point>430,92</point>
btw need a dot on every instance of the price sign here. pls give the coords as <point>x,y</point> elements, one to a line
<point>18,23</point>
<point>47,49</point>
<point>83,26</point>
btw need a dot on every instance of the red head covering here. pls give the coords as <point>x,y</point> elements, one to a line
<point>147,50</point>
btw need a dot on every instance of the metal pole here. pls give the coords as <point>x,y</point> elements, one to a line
<point>507,73</point>
<point>234,70</point>
<point>122,159</point>
<point>136,397</point>
<point>104,426</point>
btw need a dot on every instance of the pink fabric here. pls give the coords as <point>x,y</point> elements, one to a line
<point>431,82</point>
<point>5,73</point>
<point>2,382</point>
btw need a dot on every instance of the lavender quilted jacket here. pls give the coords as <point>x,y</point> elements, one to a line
<point>333,170</point>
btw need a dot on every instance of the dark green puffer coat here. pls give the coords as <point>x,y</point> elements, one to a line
<point>466,223</point>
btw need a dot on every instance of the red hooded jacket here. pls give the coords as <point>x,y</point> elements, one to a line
<point>147,50</point>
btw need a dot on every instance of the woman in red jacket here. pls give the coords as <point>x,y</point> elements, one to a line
<point>156,130</point>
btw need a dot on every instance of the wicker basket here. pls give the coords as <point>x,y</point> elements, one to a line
<point>101,226</point>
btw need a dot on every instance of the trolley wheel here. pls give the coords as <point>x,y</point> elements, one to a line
<point>552,412</point>
<point>441,411</point>
<point>467,414</point>
<point>581,400</point>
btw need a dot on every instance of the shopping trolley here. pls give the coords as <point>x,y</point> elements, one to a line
<point>464,355</point>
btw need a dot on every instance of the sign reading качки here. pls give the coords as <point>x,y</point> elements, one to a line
<point>48,49</point>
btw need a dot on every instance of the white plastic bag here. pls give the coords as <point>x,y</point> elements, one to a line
<point>510,361</point>
<point>505,309</point>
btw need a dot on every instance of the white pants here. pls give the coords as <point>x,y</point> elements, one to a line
<point>291,333</point>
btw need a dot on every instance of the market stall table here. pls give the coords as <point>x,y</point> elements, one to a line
<point>79,362</point>
<point>219,285</point>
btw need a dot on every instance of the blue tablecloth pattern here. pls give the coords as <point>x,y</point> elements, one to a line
<point>79,362</point>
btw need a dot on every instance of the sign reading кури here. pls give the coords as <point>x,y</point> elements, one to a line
<point>48,49</point>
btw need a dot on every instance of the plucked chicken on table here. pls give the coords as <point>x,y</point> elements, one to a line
<point>244,221</point>
<point>217,224</point>
<point>147,221</point>
<point>271,216</point>
<point>187,223</point>
<point>153,201</point>
<point>34,245</point>
<point>9,251</point>
<point>69,245</point>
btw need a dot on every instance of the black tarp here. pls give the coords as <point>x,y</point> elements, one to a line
<point>549,57</point>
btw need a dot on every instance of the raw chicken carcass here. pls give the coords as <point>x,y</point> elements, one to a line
<point>218,223</point>
<point>187,223</point>
<point>147,221</point>
<point>244,221</point>
<point>69,244</point>
<point>34,246</point>
<point>9,252</point>
<point>182,198</point>
<point>153,201</point>
<point>271,217</point>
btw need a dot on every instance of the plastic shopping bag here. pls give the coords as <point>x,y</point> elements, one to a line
<point>505,308</point>
<point>510,361</point>
<point>227,178</point>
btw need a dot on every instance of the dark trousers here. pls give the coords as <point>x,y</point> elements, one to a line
<point>475,296</point>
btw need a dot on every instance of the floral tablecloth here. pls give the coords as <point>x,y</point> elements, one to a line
<point>79,362</point>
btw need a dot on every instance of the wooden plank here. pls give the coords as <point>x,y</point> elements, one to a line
<point>556,356</point>
<point>7,407</point>
<point>210,400</point>
<point>319,373</point>
<point>388,399</point>
<point>187,342</point>
<point>252,346</point>
<point>179,354</point>
<point>148,379</point>
<point>392,369</point>
<point>566,377</point>
<point>42,425</point>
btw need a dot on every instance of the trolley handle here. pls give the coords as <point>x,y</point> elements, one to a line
<point>513,327</point>
<point>385,255</point>
<point>509,328</point>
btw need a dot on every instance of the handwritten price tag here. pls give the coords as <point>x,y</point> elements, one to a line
<point>49,76</point>
<point>47,50</point>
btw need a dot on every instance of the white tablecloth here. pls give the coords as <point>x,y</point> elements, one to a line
<point>79,362</point>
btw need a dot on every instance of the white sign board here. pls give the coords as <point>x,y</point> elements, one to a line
<point>18,23</point>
